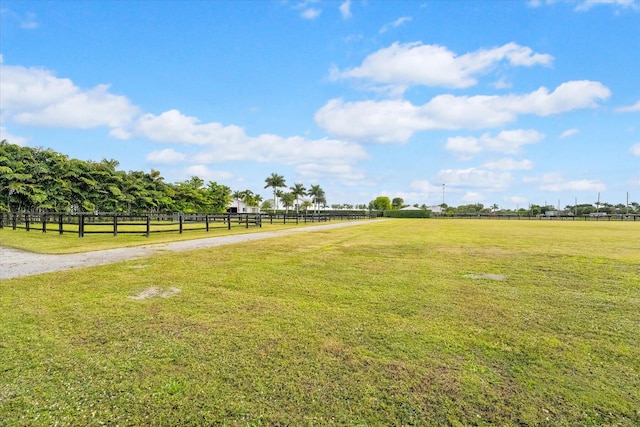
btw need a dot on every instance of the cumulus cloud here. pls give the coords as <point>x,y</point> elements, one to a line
<point>231,143</point>
<point>345,9</point>
<point>509,142</point>
<point>36,97</point>
<point>557,182</point>
<point>432,65</point>
<point>588,4</point>
<point>12,139</point>
<point>473,197</point>
<point>344,173</point>
<point>395,121</point>
<point>310,13</point>
<point>395,24</point>
<point>508,164</point>
<point>166,156</point>
<point>629,109</point>
<point>474,178</point>
<point>26,22</point>
<point>569,132</point>
<point>635,149</point>
<point>206,173</point>
<point>585,5</point>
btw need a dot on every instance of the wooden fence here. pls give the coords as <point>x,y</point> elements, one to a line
<point>615,217</point>
<point>111,223</point>
<point>103,223</point>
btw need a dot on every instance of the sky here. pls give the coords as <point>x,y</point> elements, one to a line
<point>495,102</point>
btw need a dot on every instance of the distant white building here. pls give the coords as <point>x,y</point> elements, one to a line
<point>435,209</point>
<point>238,206</point>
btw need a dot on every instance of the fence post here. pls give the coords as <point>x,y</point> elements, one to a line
<point>26,221</point>
<point>44,223</point>
<point>80,225</point>
<point>228,220</point>
<point>148,225</point>
<point>206,221</point>
<point>60,224</point>
<point>246,220</point>
<point>180,219</point>
<point>115,225</point>
<point>14,221</point>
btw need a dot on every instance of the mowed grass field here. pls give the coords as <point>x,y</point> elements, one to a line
<point>394,322</point>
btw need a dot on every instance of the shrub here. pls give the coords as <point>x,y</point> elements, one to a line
<point>407,214</point>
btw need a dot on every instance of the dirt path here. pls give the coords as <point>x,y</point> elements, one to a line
<point>17,263</point>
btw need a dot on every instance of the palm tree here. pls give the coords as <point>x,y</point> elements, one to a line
<point>279,194</point>
<point>275,181</point>
<point>317,194</point>
<point>287,201</point>
<point>237,195</point>
<point>298,191</point>
<point>257,199</point>
<point>247,197</point>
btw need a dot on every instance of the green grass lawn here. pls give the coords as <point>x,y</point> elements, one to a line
<point>387,323</point>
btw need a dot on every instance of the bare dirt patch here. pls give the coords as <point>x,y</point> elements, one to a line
<point>485,276</point>
<point>155,292</point>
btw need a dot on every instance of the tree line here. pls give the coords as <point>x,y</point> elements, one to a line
<point>43,179</point>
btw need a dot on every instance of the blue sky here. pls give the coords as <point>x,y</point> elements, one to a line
<point>505,102</point>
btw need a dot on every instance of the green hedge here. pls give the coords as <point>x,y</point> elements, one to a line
<point>407,214</point>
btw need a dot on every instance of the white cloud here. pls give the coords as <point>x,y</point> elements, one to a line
<point>509,164</point>
<point>345,9</point>
<point>26,22</point>
<point>569,132</point>
<point>395,121</point>
<point>517,200</point>
<point>12,139</point>
<point>502,84</point>
<point>588,4</point>
<point>29,22</point>
<point>395,24</point>
<point>310,13</point>
<point>221,143</point>
<point>433,65</point>
<point>473,197</point>
<point>585,5</point>
<point>629,109</point>
<point>206,173</point>
<point>36,97</point>
<point>166,156</point>
<point>509,142</point>
<point>474,178</point>
<point>343,173</point>
<point>557,182</point>
<point>635,149</point>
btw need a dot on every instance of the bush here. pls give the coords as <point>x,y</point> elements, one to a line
<point>407,214</point>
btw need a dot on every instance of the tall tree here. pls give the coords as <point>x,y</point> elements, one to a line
<point>397,202</point>
<point>298,191</point>
<point>287,200</point>
<point>275,181</point>
<point>237,196</point>
<point>317,195</point>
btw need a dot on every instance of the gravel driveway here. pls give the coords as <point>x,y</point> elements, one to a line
<point>17,263</point>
